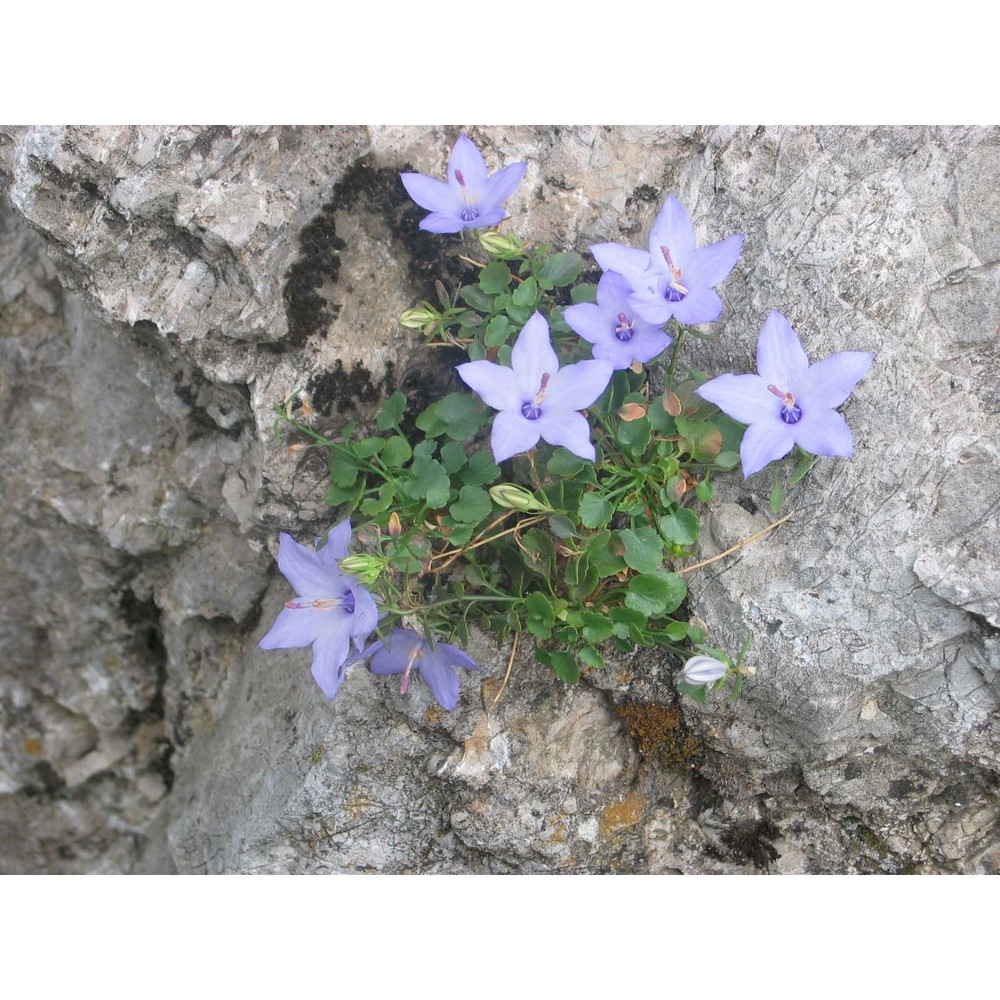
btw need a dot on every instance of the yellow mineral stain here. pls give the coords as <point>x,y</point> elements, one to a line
<point>32,746</point>
<point>622,815</point>
<point>357,804</point>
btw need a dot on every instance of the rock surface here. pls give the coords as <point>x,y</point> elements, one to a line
<point>162,289</point>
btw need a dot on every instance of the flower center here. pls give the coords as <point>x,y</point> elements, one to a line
<point>625,328</point>
<point>470,213</point>
<point>532,409</point>
<point>791,412</point>
<point>346,601</point>
<point>675,290</point>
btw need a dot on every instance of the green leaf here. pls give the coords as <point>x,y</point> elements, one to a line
<point>596,628</point>
<point>704,491</point>
<point>429,481</point>
<point>777,496</point>
<point>655,594</point>
<point>699,692</point>
<point>461,415</point>
<point>397,452</point>
<point>384,500</point>
<point>581,577</point>
<point>681,527</point>
<point>643,549</point>
<point>595,511</point>
<point>564,665</point>
<point>351,494</point>
<point>590,657</point>
<point>633,435</point>
<point>497,331</point>
<point>367,447</point>
<point>477,298</point>
<point>727,460</point>
<point>540,614</point>
<point>452,456</point>
<point>481,470</point>
<point>538,551</point>
<point>472,505</point>
<point>494,278</point>
<point>526,294</point>
<point>583,293</point>
<point>391,412</point>
<point>562,268</point>
<point>343,470</point>
<point>603,556</point>
<point>562,527</point>
<point>802,468</point>
<point>564,463</point>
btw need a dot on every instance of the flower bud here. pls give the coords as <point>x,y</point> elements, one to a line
<point>513,497</point>
<point>498,243</point>
<point>417,319</point>
<point>365,567</point>
<point>704,670</point>
<point>394,527</point>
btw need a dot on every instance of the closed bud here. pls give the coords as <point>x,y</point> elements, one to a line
<point>498,243</point>
<point>365,567</point>
<point>513,497</point>
<point>394,527</point>
<point>704,670</point>
<point>417,319</point>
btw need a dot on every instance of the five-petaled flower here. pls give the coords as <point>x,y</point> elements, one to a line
<point>676,278</point>
<point>536,398</point>
<point>469,198</point>
<point>330,609</point>
<point>790,402</point>
<point>405,651</point>
<point>613,327</point>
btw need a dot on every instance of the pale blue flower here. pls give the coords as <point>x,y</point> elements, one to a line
<point>329,611</point>
<point>405,651</point>
<point>535,397</point>
<point>790,402</point>
<point>618,334</point>
<point>676,278</point>
<point>469,198</point>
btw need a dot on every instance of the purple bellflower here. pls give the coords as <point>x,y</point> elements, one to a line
<point>536,398</point>
<point>469,198</point>
<point>612,326</point>
<point>406,651</point>
<point>676,278</point>
<point>329,611</point>
<point>790,402</point>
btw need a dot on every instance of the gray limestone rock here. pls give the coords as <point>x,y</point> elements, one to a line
<point>162,290</point>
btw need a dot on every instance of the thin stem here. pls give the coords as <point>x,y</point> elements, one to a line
<point>455,553</point>
<point>737,546</point>
<point>673,357</point>
<point>506,676</point>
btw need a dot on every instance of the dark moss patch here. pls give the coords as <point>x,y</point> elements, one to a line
<point>752,842</point>
<point>748,504</point>
<point>644,192</point>
<point>344,390</point>
<point>373,189</point>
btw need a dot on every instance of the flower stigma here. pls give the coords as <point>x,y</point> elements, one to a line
<point>533,410</point>
<point>676,291</point>
<point>624,329</point>
<point>411,659</point>
<point>791,412</point>
<point>324,604</point>
<point>470,213</point>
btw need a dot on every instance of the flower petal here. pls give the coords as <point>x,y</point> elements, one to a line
<point>743,397</point>
<point>647,342</point>
<point>487,217</point>
<point>512,435</point>
<point>442,222</point>
<point>629,262</point>
<point>496,385</point>
<point>650,305</point>
<point>710,265</point>
<point>294,627</point>
<point>337,540</point>
<point>465,156</point>
<point>365,616</point>
<point>532,355</point>
<point>456,655</point>
<point>570,430</point>
<point>824,433</point>
<point>304,570</point>
<point>829,382</point>
<point>781,361</point>
<point>502,185</point>
<point>394,653</point>
<point>674,230</point>
<point>701,305</point>
<point>432,194</point>
<point>764,442</point>
<point>613,291</point>
<point>576,386</point>
<point>440,678</point>
<point>592,322</point>
<point>329,656</point>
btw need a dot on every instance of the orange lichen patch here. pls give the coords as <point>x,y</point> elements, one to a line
<point>478,742</point>
<point>659,732</point>
<point>558,834</point>
<point>32,746</point>
<point>357,805</point>
<point>621,815</point>
<point>433,715</point>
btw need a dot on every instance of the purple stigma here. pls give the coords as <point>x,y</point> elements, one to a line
<point>459,178</point>
<point>791,412</point>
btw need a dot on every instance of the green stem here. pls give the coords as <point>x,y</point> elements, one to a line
<point>681,330</point>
